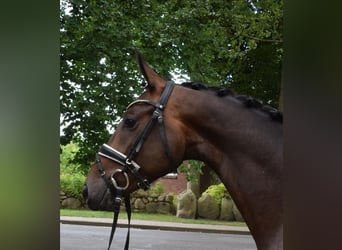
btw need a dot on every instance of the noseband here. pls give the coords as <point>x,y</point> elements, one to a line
<point>127,162</point>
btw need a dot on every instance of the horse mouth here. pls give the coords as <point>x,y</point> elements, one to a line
<point>102,203</point>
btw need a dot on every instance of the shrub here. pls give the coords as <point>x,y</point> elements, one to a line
<point>157,189</point>
<point>218,192</point>
<point>71,176</point>
<point>72,184</point>
<point>66,159</point>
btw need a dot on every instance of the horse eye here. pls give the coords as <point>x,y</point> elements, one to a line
<point>129,123</point>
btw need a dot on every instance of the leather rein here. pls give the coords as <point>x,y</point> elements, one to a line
<point>127,161</point>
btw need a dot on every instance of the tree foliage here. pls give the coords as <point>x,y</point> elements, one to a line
<point>192,170</point>
<point>237,44</point>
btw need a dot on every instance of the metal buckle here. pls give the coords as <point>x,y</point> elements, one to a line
<point>145,184</point>
<point>115,184</point>
<point>128,162</point>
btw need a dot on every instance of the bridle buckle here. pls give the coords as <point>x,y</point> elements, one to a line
<point>145,184</point>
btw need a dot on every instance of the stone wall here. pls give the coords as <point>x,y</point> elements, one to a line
<point>141,201</point>
<point>144,201</point>
<point>67,201</point>
<point>185,205</point>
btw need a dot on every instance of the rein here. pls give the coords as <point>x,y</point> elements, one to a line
<point>127,162</point>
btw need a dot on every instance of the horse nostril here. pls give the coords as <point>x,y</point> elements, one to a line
<point>85,191</point>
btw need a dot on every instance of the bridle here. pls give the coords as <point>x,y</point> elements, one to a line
<point>127,161</point>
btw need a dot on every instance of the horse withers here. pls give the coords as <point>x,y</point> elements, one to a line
<point>237,136</point>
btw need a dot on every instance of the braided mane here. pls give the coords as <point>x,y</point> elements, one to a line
<point>248,101</point>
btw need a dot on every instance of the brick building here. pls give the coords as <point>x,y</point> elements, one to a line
<point>177,183</point>
<point>173,183</point>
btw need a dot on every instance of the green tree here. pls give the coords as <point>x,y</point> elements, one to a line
<point>192,170</point>
<point>237,44</point>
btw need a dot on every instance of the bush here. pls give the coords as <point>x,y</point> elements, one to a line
<point>71,176</point>
<point>218,192</point>
<point>66,159</point>
<point>72,184</point>
<point>157,189</point>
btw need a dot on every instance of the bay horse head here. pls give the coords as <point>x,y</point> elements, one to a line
<point>146,145</point>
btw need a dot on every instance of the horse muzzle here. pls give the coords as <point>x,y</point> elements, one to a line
<point>95,201</point>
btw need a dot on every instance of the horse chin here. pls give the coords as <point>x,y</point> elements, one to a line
<point>102,202</point>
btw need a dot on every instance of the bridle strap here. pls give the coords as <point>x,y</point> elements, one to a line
<point>116,194</point>
<point>114,155</point>
<point>128,163</point>
<point>103,174</point>
<point>164,138</point>
<point>157,115</point>
<point>117,203</point>
<point>128,210</point>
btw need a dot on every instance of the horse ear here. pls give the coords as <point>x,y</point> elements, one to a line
<point>154,81</point>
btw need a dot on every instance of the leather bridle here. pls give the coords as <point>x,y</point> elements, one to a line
<point>127,161</point>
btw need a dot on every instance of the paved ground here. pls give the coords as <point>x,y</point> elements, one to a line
<point>76,237</point>
<point>143,224</point>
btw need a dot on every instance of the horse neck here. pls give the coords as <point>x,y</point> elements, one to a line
<point>244,148</point>
<point>226,124</point>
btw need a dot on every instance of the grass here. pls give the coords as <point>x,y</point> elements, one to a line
<point>146,216</point>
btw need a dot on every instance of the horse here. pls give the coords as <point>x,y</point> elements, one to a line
<point>237,136</point>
